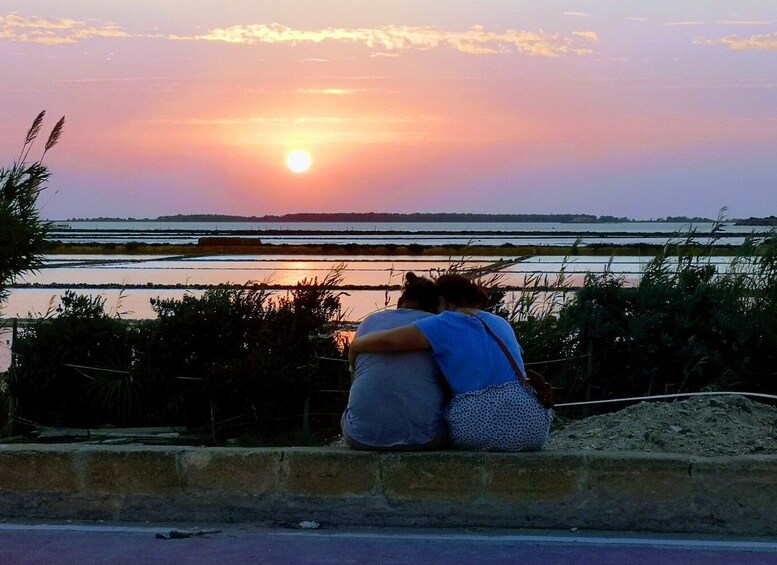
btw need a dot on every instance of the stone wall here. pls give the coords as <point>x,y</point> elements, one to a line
<point>623,491</point>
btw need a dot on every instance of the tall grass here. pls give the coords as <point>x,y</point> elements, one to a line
<point>687,326</point>
<point>22,232</point>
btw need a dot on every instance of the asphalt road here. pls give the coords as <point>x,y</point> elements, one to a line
<point>86,544</point>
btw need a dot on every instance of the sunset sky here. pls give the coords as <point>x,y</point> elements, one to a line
<point>633,108</point>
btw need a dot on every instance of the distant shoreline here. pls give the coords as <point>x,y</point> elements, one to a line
<point>378,217</point>
<point>237,246</point>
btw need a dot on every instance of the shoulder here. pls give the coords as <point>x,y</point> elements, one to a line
<point>443,323</point>
<point>442,319</point>
<point>496,323</point>
<point>390,319</point>
<point>489,317</point>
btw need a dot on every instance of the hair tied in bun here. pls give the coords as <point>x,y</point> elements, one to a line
<point>410,277</point>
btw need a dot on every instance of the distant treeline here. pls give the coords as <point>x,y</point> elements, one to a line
<point>388,217</point>
<point>770,221</point>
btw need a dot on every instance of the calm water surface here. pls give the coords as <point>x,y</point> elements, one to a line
<point>135,272</point>
<point>528,233</point>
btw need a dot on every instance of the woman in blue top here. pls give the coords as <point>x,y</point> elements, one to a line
<point>492,408</point>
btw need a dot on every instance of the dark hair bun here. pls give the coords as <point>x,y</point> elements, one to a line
<point>420,291</point>
<point>461,291</point>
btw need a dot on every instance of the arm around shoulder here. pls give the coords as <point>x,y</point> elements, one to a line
<point>405,338</point>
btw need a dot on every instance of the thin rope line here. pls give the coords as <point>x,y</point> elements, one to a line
<point>559,360</point>
<point>679,395</point>
<point>96,369</point>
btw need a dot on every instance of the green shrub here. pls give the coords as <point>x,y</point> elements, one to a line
<point>232,361</point>
<point>22,232</point>
<point>238,355</point>
<point>684,328</point>
<point>52,383</point>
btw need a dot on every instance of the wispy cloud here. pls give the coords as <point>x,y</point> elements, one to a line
<point>721,22</point>
<point>576,14</point>
<point>299,120</point>
<point>330,91</point>
<point>762,42</point>
<point>474,41</point>
<point>14,27</point>
<point>591,36</point>
<point>746,22</point>
<point>687,23</point>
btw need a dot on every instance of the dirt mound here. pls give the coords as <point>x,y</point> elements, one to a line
<point>704,425</point>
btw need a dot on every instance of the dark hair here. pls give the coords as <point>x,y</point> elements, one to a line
<point>421,291</point>
<point>460,291</point>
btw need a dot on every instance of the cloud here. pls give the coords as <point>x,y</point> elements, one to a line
<point>689,23</point>
<point>389,39</point>
<point>330,91</point>
<point>298,120</point>
<point>745,22</point>
<point>763,42</point>
<point>591,36</point>
<point>474,41</point>
<point>576,14</point>
<point>722,22</point>
<point>14,27</point>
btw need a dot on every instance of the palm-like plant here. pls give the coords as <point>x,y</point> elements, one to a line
<point>22,232</point>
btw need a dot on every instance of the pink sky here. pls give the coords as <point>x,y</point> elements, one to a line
<point>626,108</point>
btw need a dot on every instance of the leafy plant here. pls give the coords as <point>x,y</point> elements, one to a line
<point>688,325</point>
<point>242,357</point>
<point>22,232</point>
<point>72,368</point>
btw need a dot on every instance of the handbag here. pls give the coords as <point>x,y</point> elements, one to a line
<point>532,379</point>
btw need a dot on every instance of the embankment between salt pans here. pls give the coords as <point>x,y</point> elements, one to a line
<point>253,247</point>
<point>339,487</point>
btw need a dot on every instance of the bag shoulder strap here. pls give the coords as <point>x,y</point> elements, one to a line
<point>506,351</point>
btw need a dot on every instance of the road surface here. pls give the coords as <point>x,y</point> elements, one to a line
<point>132,544</point>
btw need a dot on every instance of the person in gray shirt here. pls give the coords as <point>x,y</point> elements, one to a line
<point>396,401</point>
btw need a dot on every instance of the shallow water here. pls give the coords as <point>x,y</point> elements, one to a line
<point>491,233</point>
<point>370,273</point>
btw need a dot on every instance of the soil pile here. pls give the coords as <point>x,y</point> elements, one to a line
<point>704,425</point>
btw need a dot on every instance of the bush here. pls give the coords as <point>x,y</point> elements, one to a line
<point>236,355</point>
<point>22,232</point>
<point>684,328</point>
<point>232,361</point>
<point>51,383</point>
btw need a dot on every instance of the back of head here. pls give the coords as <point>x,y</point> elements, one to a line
<point>460,291</point>
<point>419,292</point>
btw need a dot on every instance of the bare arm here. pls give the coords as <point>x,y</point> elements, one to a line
<point>406,338</point>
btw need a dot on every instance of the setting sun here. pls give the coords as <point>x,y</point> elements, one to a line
<point>299,161</point>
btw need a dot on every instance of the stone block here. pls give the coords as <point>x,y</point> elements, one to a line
<point>639,491</point>
<point>328,472</point>
<point>738,494</point>
<point>533,477</point>
<point>232,471</point>
<point>136,471</point>
<point>650,477</point>
<point>38,469</point>
<point>438,476</point>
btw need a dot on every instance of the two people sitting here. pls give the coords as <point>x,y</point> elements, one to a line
<point>438,340</point>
